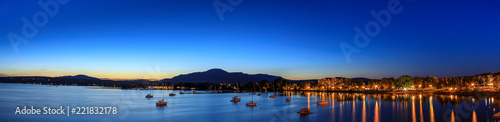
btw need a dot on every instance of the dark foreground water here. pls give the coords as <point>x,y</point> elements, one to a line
<point>346,107</point>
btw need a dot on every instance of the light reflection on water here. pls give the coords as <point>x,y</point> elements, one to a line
<point>342,107</point>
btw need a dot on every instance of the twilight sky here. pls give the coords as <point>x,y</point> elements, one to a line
<point>296,39</point>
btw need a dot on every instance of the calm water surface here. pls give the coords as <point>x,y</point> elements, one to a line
<point>346,107</point>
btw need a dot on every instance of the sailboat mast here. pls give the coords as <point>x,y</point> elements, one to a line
<point>254,89</point>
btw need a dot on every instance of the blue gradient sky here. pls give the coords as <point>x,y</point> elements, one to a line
<point>296,39</point>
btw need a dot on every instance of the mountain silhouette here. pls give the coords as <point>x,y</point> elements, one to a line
<point>85,77</point>
<point>220,76</point>
<point>362,79</point>
<point>213,76</point>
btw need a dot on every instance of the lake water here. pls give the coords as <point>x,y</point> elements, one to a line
<point>346,107</point>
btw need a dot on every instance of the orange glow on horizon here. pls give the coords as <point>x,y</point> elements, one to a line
<point>105,76</point>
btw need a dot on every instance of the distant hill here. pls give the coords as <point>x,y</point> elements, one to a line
<point>220,76</point>
<point>84,77</point>
<point>308,80</point>
<point>362,79</point>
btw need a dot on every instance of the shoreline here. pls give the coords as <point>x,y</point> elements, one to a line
<point>477,91</point>
<point>481,92</point>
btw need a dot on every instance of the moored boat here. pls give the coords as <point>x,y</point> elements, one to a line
<point>497,115</point>
<point>161,103</point>
<point>323,102</point>
<point>236,99</point>
<point>305,111</point>
<point>150,95</point>
<point>251,104</point>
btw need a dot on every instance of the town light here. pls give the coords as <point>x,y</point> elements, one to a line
<point>419,86</point>
<point>472,84</point>
<point>405,89</point>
